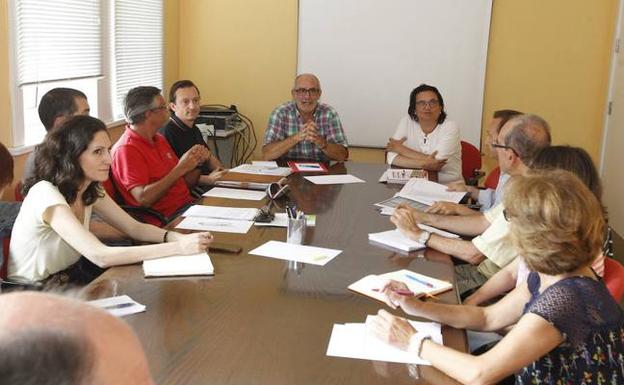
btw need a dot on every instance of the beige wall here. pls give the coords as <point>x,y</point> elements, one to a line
<point>548,57</point>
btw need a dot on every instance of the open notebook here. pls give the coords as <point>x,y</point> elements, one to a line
<point>419,284</point>
<point>197,264</point>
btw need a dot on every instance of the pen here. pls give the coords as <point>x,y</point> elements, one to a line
<point>119,306</point>
<point>422,282</point>
<point>400,292</point>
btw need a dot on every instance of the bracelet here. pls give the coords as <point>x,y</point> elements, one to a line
<point>416,342</point>
<point>165,236</point>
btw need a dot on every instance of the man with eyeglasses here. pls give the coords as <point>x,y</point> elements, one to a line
<point>145,168</point>
<point>303,128</point>
<point>519,140</point>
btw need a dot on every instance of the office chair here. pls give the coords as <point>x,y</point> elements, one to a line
<point>137,212</point>
<point>491,181</point>
<point>614,278</point>
<point>471,163</point>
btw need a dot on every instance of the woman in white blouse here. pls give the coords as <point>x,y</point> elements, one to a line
<point>425,139</point>
<point>51,231</point>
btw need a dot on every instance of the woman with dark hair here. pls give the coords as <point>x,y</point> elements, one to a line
<point>6,168</point>
<point>51,231</point>
<point>425,139</point>
<point>568,329</point>
<point>577,161</point>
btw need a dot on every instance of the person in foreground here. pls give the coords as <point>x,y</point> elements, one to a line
<point>303,128</point>
<point>561,336</point>
<point>47,339</point>
<point>50,232</point>
<point>425,138</point>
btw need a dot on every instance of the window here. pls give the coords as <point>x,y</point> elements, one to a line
<point>101,47</point>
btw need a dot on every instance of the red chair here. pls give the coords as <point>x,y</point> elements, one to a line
<point>5,258</point>
<point>491,181</point>
<point>18,191</point>
<point>471,163</point>
<point>614,278</point>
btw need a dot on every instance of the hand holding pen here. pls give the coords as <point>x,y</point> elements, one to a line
<point>398,294</point>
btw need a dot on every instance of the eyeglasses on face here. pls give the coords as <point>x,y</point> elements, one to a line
<point>431,103</point>
<point>504,147</point>
<point>158,108</point>
<point>309,91</point>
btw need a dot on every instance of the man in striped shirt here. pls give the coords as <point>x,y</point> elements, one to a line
<point>303,128</point>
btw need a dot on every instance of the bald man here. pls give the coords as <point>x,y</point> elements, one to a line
<point>303,128</point>
<point>46,339</point>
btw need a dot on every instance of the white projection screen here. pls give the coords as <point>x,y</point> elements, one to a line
<point>370,54</point>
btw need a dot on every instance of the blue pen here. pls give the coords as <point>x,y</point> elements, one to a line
<point>428,284</point>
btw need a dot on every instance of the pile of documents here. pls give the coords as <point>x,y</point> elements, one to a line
<point>353,340</point>
<point>397,240</point>
<point>216,218</point>
<point>421,193</point>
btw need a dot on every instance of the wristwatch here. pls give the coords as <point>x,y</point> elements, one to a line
<point>416,341</point>
<point>424,237</point>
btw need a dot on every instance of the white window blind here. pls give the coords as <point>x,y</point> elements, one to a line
<point>138,47</point>
<point>58,40</point>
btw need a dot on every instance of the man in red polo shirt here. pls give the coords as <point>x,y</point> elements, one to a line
<point>145,168</point>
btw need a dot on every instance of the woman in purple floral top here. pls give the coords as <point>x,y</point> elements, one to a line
<point>568,330</point>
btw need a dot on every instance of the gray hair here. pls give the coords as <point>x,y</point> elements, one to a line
<point>138,101</point>
<point>37,356</point>
<point>528,136</point>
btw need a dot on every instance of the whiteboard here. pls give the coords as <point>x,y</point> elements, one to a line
<point>370,54</point>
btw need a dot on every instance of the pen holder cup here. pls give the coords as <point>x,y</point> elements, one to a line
<point>295,233</point>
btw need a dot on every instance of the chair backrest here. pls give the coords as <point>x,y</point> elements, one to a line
<point>491,181</point>
<point>471,160</point>
<point>4,257</point>
<point>614,278</point>
<point>18,191</point>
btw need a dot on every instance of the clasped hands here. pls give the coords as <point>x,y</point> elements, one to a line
<point>310,133</point>
<point>194,157</point>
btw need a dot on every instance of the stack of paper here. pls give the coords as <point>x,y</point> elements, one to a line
<point>395,239</point>
<point>418,284</point>
<point>119,306</point>
<point>220,192</point>
<point>197,264</point>
<point>353,340</point>
<point>427,192</point>
<point>215,224</point>
<point>401,176</point>
<point>298,253</point>
<point>334,179</point>
<point>262,169</point>
<point>234,213</point>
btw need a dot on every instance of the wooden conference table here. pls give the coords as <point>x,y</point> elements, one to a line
<point>268,321</point>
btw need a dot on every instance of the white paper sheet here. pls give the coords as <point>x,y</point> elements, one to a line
<point>334,179</point>
<point>298,253</point>
<point>281,220</point>
<point>196,264</point>
<point>262,170</point>
<point>396,239</point>
<point>262,163</point>
<point>221,192</point>
<point>215,224</point>
<point>234,213</point>
<point>428,192</point>
<point>119,306</point>
<point>353,340</point>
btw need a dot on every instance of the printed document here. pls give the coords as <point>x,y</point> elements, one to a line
<point>119,306</point>
<point>262,169</point>
<point>221,192</point>
<point>428,192</point>
<point>235,213</point>
<point>215,224</point>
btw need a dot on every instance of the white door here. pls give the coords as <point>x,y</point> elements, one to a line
<point>613,145</point>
